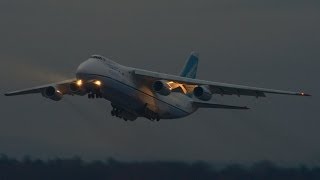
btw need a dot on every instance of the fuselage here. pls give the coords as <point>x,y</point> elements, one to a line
<point>124,90</point>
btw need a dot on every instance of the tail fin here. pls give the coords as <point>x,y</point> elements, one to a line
<point>190,68</point>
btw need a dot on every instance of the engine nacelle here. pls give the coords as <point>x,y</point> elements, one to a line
<point>52,93</point>
<point>202,93</point>
<point>76,89</point>
<point>161,87</point>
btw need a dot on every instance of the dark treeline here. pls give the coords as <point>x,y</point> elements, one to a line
<point>75,168</point>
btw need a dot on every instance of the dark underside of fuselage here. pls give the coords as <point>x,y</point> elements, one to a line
<point>131,102</point>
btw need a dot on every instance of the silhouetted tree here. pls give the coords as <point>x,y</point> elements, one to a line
<point>76,168</point>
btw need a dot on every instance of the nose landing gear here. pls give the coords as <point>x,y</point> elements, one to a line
<point>94,95</point>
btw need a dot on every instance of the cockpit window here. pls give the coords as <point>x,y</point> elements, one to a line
<point>103,59</point>
<point>98,57</point>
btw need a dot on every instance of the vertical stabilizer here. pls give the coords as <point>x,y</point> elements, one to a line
<point>190,68</point>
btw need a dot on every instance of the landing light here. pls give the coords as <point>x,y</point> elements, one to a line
<point>98,83</point>
<point>79,82</point>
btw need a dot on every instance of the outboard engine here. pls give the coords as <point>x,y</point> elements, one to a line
<point>161,87</point>
<point>52,93</point>
<point>202,93</point>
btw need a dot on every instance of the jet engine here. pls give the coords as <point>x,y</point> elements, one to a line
<point>202,93</point>
<point>52,93</point>
<point>161,87</point>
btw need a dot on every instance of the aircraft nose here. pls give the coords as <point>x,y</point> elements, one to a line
<point>84,68</point>
<point>81,69</point>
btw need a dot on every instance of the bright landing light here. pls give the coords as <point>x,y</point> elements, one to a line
<point>79,82</point>
<point>98,83</point>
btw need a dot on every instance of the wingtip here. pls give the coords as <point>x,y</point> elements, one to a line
<point>304,94</point>
<point>242,108</point>
<point>7,94</point>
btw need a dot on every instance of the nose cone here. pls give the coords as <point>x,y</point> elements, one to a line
<point>91,67</point>
<point>86,67</point>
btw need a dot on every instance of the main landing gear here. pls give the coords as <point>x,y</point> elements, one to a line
<point>153,117</point>
<point>117,113</point>
<point>121,113</point>
<point>149,114</point>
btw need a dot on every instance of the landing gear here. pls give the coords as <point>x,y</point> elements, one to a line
<point>128,115</point>
<point>116,112</point>
<point>94,95</point>
<point>154,118</point>
<point>149,114</point>
<point>121,113</point>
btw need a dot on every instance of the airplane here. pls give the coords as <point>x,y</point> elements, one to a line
<point>137,93</point>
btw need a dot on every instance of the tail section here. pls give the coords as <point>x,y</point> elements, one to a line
<point>190,68</point>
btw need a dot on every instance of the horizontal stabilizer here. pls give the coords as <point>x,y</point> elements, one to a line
<point>201,104</point>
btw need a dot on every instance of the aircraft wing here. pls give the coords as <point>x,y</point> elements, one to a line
<point>215,87</point>
<point>62,86</point>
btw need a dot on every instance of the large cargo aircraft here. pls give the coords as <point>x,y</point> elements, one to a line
<point>137,93</point>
